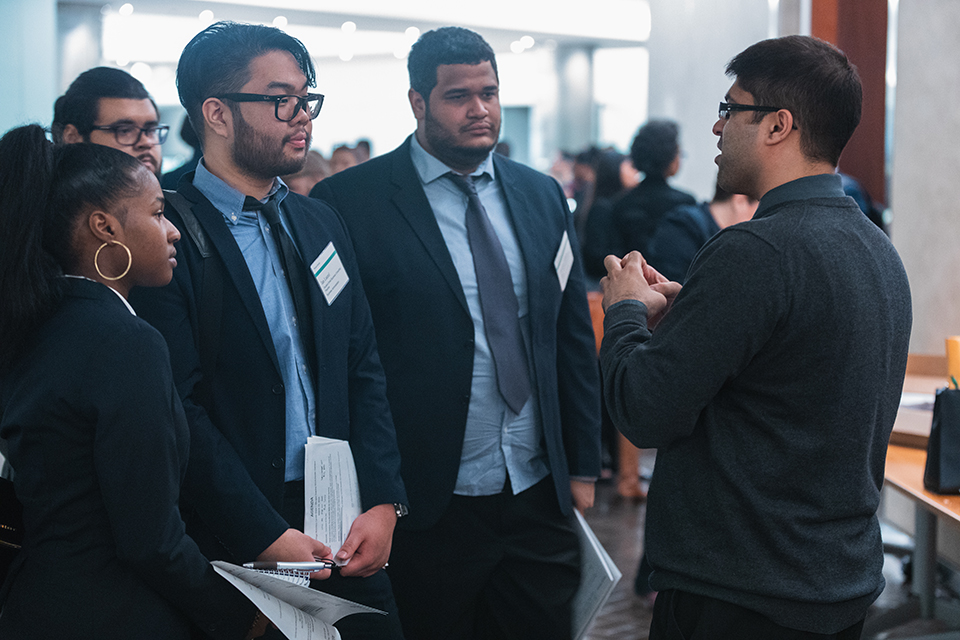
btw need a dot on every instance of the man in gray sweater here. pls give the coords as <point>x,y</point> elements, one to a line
<point>770,381</point>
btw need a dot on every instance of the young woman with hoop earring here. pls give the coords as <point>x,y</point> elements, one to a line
<point>89,416</point>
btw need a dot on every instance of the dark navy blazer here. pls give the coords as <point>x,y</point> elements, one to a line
<point>234,484</point>
<point>425,333</point>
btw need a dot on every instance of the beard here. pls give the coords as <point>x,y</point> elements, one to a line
<point>261,156</point>
<point>445,146</point>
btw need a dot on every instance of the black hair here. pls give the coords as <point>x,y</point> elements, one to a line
<point>811,79</point>
<point>655,147</point>
<point>188,134</point>
<point>79,105</point>
<point>44,190</point>
<point>609,182</point>
<point>217,61</point>
<point>447,45</point>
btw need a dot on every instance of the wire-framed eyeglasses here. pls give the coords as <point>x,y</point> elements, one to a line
<point>128,135</point>
<point>285,107</point>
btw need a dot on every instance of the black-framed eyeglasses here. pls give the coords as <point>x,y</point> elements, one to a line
<point>128,135</point>
<point>285,107</point>
<point>727,109</point>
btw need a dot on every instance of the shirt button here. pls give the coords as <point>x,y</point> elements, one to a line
<point>278,389</point>
<point>277,463</point>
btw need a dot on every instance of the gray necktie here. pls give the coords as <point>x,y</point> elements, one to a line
<point>498,302</point>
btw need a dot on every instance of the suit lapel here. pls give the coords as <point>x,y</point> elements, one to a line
<point>530,237</point>
<point>413,205</point>
<point>310,242</point>
<point>236,266</point>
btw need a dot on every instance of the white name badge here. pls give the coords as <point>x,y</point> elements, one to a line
<point>564,261</point>
<point>330,274</point>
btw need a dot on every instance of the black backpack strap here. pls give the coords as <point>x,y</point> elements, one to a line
<point>210,296</point>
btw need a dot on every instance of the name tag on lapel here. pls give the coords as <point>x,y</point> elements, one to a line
<point>564,261</point>
<point>330,274</point>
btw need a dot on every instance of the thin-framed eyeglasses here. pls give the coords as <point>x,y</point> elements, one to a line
<point>128,135</point>
<point>727,109</point>
<point>285,107</point>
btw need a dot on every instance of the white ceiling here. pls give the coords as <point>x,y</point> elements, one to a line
<point>157,29</point>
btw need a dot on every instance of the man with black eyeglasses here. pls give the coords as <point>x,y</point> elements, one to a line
<point>110,107</point>
<point>292,351</point>
<point>769,382</point>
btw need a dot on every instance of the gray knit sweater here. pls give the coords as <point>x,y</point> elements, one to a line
<point>770,390</point>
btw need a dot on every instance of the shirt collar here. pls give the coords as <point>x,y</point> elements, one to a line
<point>225,198</point>
<point>429,168</point>
<point>825,185</point>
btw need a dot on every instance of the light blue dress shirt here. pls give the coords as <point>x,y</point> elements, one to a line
<point>497,441</point>
<point>259,250</point>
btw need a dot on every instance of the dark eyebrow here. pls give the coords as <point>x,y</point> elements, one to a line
<point>289,88</point>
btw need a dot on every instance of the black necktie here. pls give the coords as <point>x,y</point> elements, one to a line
<point>498,301</point>
<point>295,273</point>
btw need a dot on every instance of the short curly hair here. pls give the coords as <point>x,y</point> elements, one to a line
<point>446,45</point>
<point>655,147</point>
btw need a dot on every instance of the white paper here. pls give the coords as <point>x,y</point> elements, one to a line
<point>331,491</point>
<point>300,613</point>
<point>598,577</point>
<point>563,262</point>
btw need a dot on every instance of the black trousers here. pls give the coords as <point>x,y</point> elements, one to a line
<point>678,615</point>
<point>494,567</point>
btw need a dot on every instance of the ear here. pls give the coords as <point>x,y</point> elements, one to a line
<point>779,126</point>
<point>217,117</point>
<point>105,226</point>
<point>418,104</point>
<point>71,135</point>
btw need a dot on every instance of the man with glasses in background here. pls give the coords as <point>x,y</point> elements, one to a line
<point>110,107</point>
<point>769,382</point>
<point>292,351</point>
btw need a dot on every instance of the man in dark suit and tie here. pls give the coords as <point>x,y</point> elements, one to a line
<point>292,352</point>
<point>468,260</point>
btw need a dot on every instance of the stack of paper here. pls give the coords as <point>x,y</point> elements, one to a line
<point>598,577</point>
<point>331,491</point>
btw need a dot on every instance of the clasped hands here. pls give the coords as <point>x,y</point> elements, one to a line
<point>631,278</point>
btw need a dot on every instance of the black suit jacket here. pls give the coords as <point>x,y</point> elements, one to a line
<point>426,336</point>
<point>235,480</point>
<point>638,213</point>
<point>99,443</point>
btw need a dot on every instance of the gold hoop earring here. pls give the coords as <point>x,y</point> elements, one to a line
<point>96,257</point>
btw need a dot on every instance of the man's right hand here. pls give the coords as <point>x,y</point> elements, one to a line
<point>296,546</point>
